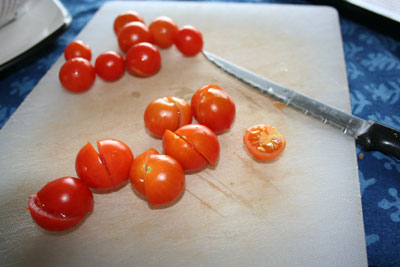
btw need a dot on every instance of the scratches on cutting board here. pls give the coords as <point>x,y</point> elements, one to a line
<point>204,203</point>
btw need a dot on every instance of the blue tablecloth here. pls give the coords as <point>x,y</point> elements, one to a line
<point>373,70</point>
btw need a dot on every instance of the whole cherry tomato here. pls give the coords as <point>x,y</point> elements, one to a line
<point>193,145</point>
<point>106,170</point>
<point>189,40</point>
<point>143,59</point>
<point>214,108</point>
<point>264,142</point>
<point>167,113</point>
<point>159,177</point>
<point>110,66</point>
<point>133,33</point>
<point>78,48</point>
<point>124,18</point>
<point>61,204</point>
<point>163,30</point>
<point>77,75</point>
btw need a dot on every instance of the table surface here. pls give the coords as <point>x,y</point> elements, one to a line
<point>373,70</point>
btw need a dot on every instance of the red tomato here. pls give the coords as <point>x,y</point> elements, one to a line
<point>163,30</point>
<point>178,148</point>
<point>131,34</point>
<point>159,177</point>
<point>214,108</point>
<point>167,113</point>
<point>110,66</point>
<point>61,204</point>
<point>124,18</point>
<point>189,41</point>
<point>77,75</point>
<point>78,48</point>
<point>264,142</point>
<point>106,170</point>
<point>143,59</point>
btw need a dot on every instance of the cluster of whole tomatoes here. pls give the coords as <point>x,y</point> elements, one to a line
<point>140,45</point>
<point>160,178</point>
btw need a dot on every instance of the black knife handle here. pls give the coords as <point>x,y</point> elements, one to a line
<point>382,138</point>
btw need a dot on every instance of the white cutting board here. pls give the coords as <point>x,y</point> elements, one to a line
<point>301,210</point>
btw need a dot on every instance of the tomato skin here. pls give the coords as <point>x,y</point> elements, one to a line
<point>189,41</point>
<point>167,113</point>
<point>78,48</point>
<point>106,170</point>
<point>143,60</point>
<point>264,142</point>
<point>202,139</point>
<point>159,178</point>
<point>138,170</point>
<point>110,66</point>
<point>213,108</point>
<point>124,18</point>
<point>163,30</point>
<point>77,75</point>
<point>133,33</point>
<point>61,204</point>
<point>176,147</point>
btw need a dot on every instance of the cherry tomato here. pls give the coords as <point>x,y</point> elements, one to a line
<point>177,147</point>
<point>163,30</point>
<point>131,34</point>
<point>167,113</point>
<point>159,177</point>
<point>106,170</point>
<point>61,204</point>
<point>193,145</point>
<point>124,18</point>
<point>143,59</point>
<point>78,48</point>
<point>77,75</point>
<point>214,108</point>
<point>264,142</point>
<point>110,66</point>
<point>189,41</point>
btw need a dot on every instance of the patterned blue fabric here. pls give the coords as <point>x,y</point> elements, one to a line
<point>373,70</point>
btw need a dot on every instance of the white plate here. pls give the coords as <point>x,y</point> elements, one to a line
<point>42,20</point>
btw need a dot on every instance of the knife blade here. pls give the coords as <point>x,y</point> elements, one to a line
<point>369,134</point>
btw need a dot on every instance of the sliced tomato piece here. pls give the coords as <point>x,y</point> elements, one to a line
<point>264,142</point>
<point>138,170</point>
<point>202,139</point>
<point>178,148</point>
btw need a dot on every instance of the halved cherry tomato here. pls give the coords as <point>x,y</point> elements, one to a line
<point>158,177</point>
<point>77,75</point>
<point>61,204</point>
<point>167,113</point>
<point>143,59</point>
<point>264,142</point>
<point>106,170</point>
<point>78,48</point>
<point>213,108</point>
<point>124,18</point>
<point>177,147</point>
<point>192,142</point>
<point>133,33</point>
<point>110,66</point>
<point>163,30</point>
<point>189,40</point>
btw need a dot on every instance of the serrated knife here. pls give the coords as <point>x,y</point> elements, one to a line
<point>369,134</point>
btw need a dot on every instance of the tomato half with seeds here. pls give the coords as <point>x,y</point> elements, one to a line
<point>264,142</point>
<point>167,113</point>
<point>131,34</point>
<point>163,30</point>
<point>78,48</point>
<point>160,178</point>
<point>124,18</point>
<point>213,107</point>
<point>61,204</point>
<point>106,170</point>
